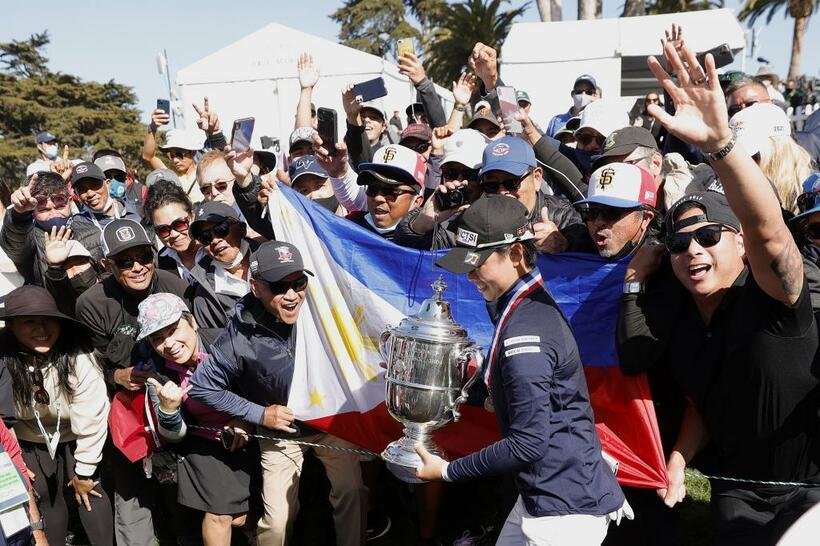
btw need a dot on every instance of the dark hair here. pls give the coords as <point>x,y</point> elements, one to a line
<point>164,192</point>
<point>743,81</point>
<point>63,356</point>
<point>529,249</point>
<point>50,183</point>
<point>106,152</point>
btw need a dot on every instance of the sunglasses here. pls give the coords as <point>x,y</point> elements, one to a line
<point>812,231</point>
<point>282,287</point>
<point>510,184</point>
<point>583,91</point>
<point>653,101</point>
<point>40,393</point>
<point>418,147</point>
<point>218,231</point>
<point>388,192</point>
<point>706,236</point>
<point>807,201</point>
<point>607,214</point>
<point>145,258</point>
<point>586,139</point>
<point>740,106</point>
<point>455,173</point>
<point>58,200</point>
<point>180,225</point>
<point>220,187</point>
<point>174,154</point>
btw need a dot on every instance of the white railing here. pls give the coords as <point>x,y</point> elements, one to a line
<point>799,115</point>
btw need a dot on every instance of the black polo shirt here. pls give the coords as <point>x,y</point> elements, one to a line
<point>750,374</point>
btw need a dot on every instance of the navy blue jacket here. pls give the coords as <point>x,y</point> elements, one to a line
<point>250,365</point>
<point>541,401</point>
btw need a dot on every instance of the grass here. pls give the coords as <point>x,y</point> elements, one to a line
<point>695,514</point>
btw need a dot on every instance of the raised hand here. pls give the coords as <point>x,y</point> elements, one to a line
<point>170,394</point>
<point>56,245</point>
<point>484,61</point>
<point>440,134</point>
<point>411,66</point>
<point>308,71</point>
<point>675,36</point>
<point>335,164</point>
<point>240,165</point>
<point>464,88</point>
<point>208,121</point>
<point>351,105</point>
<point>700,116</point>
<point>63,165</point>
<point>547,236</point>
<point>22,199</point>
<point>159,118</point>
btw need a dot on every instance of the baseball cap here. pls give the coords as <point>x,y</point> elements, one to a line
<point>158,311</point>
<point>416,107</point>
<point>522,96</point>
<point>604,116</point>
<point>121,234</point>
<point>211,211</point>
<point>509,154</point>
<point>623,142</point>
<point>811,186</point>
<point>86,170</point>
<point>621,185</point>
<point>77,250</point>
<point>301,134</point>
<point>44,136</point>
<point>421,131</point>
<point>162,174</point>
<point>465,146</point>
<point>394,164</point>
<point>377,106</point>
<point>306,164</point>
<point>184,139</point>
<point>491,222</point>
<point>586,78</point>
<point>481,105</point>
<point>754,125</point>
<point>110,162</point>
<point>275,260</point>
<point>488,115</point>
<point>265,151</point>
<point>713,203</point>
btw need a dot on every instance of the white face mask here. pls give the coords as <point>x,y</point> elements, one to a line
<point>51,151</point>
<point>581,100</point>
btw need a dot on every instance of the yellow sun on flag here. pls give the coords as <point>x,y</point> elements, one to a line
<point>317,398</point>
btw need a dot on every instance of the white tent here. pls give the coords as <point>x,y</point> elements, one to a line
<point>256,77</point>
<point>545,58</point>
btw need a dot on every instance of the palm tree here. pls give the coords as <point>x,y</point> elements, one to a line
<point>657,7</point>
<point>462,25</point>
<point>801,10</point>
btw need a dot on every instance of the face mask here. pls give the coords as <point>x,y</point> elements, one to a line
<point>117,189</point>
<point>46,225</point>
<point>581,100</point>
<point>51,151</point>
<point>84,280</point>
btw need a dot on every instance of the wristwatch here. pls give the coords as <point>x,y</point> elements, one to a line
<point>723,152</point>
<point>459,107</point>
<point>633,287</point>
<point>39,525</point>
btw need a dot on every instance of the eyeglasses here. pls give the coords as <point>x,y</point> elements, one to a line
<point>653,101</point>
<point>607,214</point>
<point>807,201</point>
<point>145,258</point>
<point>220,231</point>
<point>282,287</point>
<point>220,187</point>
<point>418,147</point>
<point>510,184</point>
<point>706,236</point>
<point>389,192</point>
<point>741,106</point>
<point>812,231</point>
<point>58,200</point>
<point>587,138</point>
<point>583,91</point>
<point>456,173</point>
<point>174,154</point>
<point>180,225</point>
<point>40,393</point>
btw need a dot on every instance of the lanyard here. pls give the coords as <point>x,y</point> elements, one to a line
<point>52,440</point>
<point>518,296</point>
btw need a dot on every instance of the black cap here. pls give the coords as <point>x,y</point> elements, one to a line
<point>624,141</point>
<point>415,108</point>
<point>121,234</point>
<point>275,260</point>
<point>713,203</point>
<point>492,221</point>
<point>211,211</point>
<point>86,170</point>
<point>489,116</point>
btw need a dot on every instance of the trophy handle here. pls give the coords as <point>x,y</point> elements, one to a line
<point>384,344</point>
<point>464,361</point>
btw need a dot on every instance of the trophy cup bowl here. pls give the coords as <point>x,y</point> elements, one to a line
<point>427,356</point>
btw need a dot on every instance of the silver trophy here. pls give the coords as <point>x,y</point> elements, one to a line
<point>427,358</point>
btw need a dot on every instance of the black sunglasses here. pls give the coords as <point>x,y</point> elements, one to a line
<point>418,147</point>
<point>812,231</point>
<point>706,236</point>
<point>741,106</point>
<point>607,214</point>
<point>145,258</point>
<point>282,287</point>
<point>583,91</point>
<point>510,184</point>
<point>807,201</point>
<point>179,225</point>
<point>220,230</point>
<point>455,173</point>
<point>40,393</point>
<point>174,153</point>
<point>389,192</point>
<point>586,139</point>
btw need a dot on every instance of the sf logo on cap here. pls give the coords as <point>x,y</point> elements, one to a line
<point>606,178</point>
<point>125,234</point>
<point>389,154</point>
<point>285,255</point>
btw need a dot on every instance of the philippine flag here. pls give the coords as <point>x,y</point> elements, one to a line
<point>364,283</point>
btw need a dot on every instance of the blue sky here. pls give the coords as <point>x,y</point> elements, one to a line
<point>103,40</point>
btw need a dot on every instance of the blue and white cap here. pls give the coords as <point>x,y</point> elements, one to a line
<point>509,154</point>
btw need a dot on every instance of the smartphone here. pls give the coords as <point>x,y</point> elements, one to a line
<point>327,126</point>
<point>241,134</point>
<point>450,200</point>
<point>404,46</point>
<point>508,106</point>
<point>226,436</point>
<point>164,105</point>
<point>369,90</point>
<point>722,54</point>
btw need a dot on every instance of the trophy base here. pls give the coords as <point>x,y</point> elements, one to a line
<point>401,459</point>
